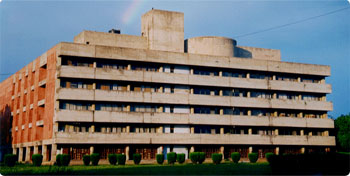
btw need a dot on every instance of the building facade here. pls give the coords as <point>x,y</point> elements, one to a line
<point>155,93</point>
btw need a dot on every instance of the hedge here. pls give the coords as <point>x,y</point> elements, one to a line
<point>216,157</point>
<point>160,158</point>
<point>37,159</point>
<point>65,159</point>
<point>268,156</point>
<point>194,157</point>
<point>112,158</point>
<point>95,158</point>
<point>253,157</point>
<point>137,158</point>
<point>86,160</point>
<point>201,158</point>
<point>171,156</point>
<point>236,156</point>
<point>58,160</point>
<point>180,158</point>
<point>121,158</point>
<point>10,160</point>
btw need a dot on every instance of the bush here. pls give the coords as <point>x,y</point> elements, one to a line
<point>58,160</point>
<point>86,160</point>
<point>95,158</point>
<point>268,156</point>
<point>137,158</point>
<point>180,158</point>
<point>253,157</point>
<point>171,156</point>
<point>160,158</point>
<point>112,158</point>
<point>216,157</point>
<point>194,157</point>
<point>10,160</point>
<point>121,158</point>
<point>201,157</point>
<point>65,159</point>
<point>37,159</point>
<point>236,156</point>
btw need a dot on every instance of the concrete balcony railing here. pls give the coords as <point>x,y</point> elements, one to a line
<point>177,138</point>
<point>194,119</point>
<point>185,79</point>
<point>189,99</point>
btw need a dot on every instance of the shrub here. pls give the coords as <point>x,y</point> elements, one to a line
<point>171,157</point>
<point>95,158</point>
<point>180,158</point>
<point>137,158</point>
<point>10,160</point>
<point>37,159</point>
<point>160,158</point>
<point>121,158</point>
<point>236,156</point>
<point>58,160</point>
<point>216,157</point>
<point>65,159</point>
<point>112,158</point>
<point>253,157</point>
<point>194,157</point>
<point>201,157</point>
<point>86,160</point>
<point>268,156</point>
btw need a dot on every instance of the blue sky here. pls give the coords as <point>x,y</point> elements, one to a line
<point>29,28</point>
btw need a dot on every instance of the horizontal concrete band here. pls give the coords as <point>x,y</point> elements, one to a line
<point>189,99</point>
<point>176,138</point>
<point>188,79</point>
<point>200,119</point>
<point>144,55</point>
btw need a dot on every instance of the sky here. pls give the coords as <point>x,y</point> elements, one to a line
<point>29,28</point>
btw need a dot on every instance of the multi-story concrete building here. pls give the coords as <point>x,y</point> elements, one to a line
<point>155,93</point>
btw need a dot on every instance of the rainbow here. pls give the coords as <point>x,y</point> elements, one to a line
<point>132,10</point>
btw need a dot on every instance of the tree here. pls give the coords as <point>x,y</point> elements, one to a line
<point>342,129</point>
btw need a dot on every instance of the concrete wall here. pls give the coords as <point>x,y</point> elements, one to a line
<point>211,45</point>
<point>258,53</point>
<point>164,30</point>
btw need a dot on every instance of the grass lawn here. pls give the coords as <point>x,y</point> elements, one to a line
<point>177,169</point>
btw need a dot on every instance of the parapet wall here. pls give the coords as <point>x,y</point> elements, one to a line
<point>257,53</point>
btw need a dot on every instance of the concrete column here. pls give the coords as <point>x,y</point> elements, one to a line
<point>250,150</point>
<point>71,128</point>
<point>129,67</point>
<point>301,132</point>
<point>53,152</point>
<point>299,79</point>
<point>310,133</point>
<point>302,150</point>
<point>192,110</point>
<point>248,75</point>
<point>220,73</point>
<point>222,131</point>
<point>222,149</point>
<point>55,127</point>
<point>160,69</point>
<point>221,111</point>
<point>249,112</point>
<point>128,108</point>
<point>160,129</point>
<point>191,91</point>
<point>27,157</point>
<point>92,129</point>
<point>36,149</point>
<point>324,115</point>
<point>274,95</point>
<point>248,94</point>
<point>191,71</point>
<point>324,98</point>
<point>273,77</point>
<point>44,152</point>
<point>192,149</point>
<point>127,149</point>
<point>221,93</point>
<point>250,131</point>
<point>128,87</point>
<point>300,115</point>
<point>92,149</point>
<point>160,150</point>
<point>323,81</point>
<point>277,151</point>
<point>326,133</point>
<point>20,154</point>
<point>14,151</point>
<point>128,128</point>
<point>192,130</point>
<point>161,89</point>
<point>94,86</point>
<point>276,131</point>
<point>94,65</point>
<point>160,109</point>
<point>300,97</point>
<point>275,114</point>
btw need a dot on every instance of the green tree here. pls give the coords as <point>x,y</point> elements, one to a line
<point>342,129</point>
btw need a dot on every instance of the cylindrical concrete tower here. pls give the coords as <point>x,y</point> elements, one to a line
<point>211,45</point>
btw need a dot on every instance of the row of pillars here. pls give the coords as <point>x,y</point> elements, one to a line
<point>35,151</point>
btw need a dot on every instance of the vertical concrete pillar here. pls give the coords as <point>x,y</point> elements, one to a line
<point>92,129</point>
<point>274,95</point>
<point>129,67</point>
<point>128,108</point>
<point>127,149</point>
<point>248,94</point>
<point>160,129</point>
<point>277,150</point>
<point>27,157</point>
<point>14,150</point>
<point>221,130</point>
<point>191,91</point>
<point>160,69</point>
<point>128,87</point>
<point>250,149</point>
<point>250,131</point>
<point>248,75</point>
<point>221,111</point>
<point>20,154</point>
<point>44,152</point>
<point>322,81</point>
<point>276,131</point>
<point>326,133</point>
<point>94,86</point>
<point>299,79</point>
<point>222,149</point>
<point>273,77</point>
<point>94,65</point>
<point>192,130</point>
<point>53,152</point>
<point>192,149</point>
<point>36,149</point>
<point>192,110</point>
<point>300,115</point>
<point>302,150</point>
<point>249,112</point>
<point>310,133</point>
<point>160,150</point>
<point>275,114</point>
<point>160,109</point>
<point>301,132</point>
<point>71,128</point>
<point>191,71</point>
<point>221,93</point>
<point>128,128</point>
<point>300,97</point>
<point>220,73</point>
<point>92,149</point>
